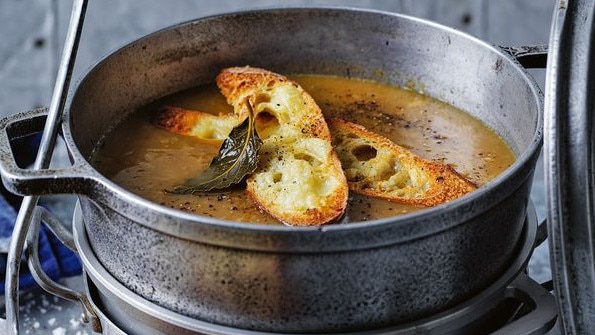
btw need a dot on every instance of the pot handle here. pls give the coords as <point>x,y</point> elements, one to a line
<point>40,214</point>
<point>529,56</point>
<point>541,319</point>
<point>76,179</point>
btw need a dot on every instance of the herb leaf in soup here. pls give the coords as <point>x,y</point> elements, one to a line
<point>237,157</point>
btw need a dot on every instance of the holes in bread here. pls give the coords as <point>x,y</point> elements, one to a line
<point>261,98</point>
<point>402,180</point>
<point>266,122</point>
<point>271,83</point>
<point>364,152</point>
<point>313,161</point>
<point>277,176</point>
<point>339,139</point>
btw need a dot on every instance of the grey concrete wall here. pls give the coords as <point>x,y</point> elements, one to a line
<point>31,31</point>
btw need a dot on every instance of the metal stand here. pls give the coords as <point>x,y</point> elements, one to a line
<point>44,155</point>
<point>569,139</point>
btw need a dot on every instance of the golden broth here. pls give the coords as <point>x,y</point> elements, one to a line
<point>147,160</point>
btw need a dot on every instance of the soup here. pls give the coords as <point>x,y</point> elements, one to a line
<point>148,160</point>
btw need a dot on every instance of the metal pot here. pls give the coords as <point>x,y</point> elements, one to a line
<point>356,276</point>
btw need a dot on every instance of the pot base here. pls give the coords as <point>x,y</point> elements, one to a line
<point>124,312</point>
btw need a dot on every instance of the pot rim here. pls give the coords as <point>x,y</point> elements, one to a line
<point>427,221</point>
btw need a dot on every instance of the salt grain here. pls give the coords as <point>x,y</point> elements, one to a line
<point>51,321</point>
<point>74,323</point>
<point>59,331</point>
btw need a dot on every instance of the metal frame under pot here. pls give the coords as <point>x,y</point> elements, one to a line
<point>569,154</point>
<point>123,312</point>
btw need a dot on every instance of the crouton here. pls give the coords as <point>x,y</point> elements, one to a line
<point>195,123</point>
<point>377,167</point>
<point>299,179</point>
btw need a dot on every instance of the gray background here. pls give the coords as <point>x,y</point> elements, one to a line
<point>32,33</point>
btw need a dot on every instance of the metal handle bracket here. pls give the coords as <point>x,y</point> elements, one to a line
<point>42,161</point>
<point>32,253</point>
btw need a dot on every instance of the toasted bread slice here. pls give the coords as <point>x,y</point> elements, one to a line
<point>282,108</point>
<point>299,180</point>
<point>203,125</point>
<point>377,167</point>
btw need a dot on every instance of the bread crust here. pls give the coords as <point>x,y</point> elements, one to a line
<point>196,123</point>
<point>299,180</point>
<point>377,167</point>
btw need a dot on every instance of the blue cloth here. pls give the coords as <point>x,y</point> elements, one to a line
<point>56,259</point>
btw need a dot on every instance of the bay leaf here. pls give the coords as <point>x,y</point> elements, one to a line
<point>237,157</point>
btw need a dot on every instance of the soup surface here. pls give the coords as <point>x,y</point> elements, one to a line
<point>148,160</point>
